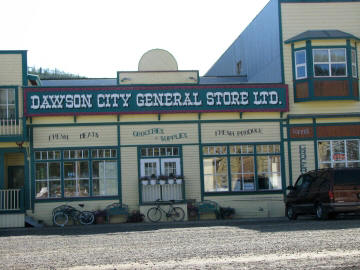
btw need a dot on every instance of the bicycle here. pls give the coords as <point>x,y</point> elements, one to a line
<point>154,214</point>
<point>61,215</point>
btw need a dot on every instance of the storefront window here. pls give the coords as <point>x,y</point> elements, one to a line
<point>252,168</point>
<point>76,181</point>
<point>47,180</point>
<point>339,153</point>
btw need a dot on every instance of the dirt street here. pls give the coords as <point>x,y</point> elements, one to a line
<point>236,244</point>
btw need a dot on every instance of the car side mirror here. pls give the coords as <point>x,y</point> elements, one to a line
<point>290,188</point>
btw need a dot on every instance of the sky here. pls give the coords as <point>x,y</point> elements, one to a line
<point>98,38</point>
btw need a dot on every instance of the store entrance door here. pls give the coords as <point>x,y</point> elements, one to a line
<point>16,177</point>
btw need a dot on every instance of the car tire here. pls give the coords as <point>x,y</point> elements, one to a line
<point>290,213</point>
<point>320,212</point>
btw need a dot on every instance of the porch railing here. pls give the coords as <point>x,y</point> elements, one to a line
<point>167,192</point>
<point>11,199</point>
<point>11,127</point>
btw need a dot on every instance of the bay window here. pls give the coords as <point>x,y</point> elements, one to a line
<point>329,62</point>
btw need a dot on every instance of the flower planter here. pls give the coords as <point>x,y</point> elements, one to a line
<point>145,182</point>
<point>179,181</point>
<point>162,182</point>
<point>171,181</point>
<point>153,181</point>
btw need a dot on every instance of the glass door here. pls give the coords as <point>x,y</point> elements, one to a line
<point>150,166</point>
<point>170,166</point>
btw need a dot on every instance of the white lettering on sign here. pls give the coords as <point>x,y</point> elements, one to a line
<point>167,99</point>
<point>227,98</point>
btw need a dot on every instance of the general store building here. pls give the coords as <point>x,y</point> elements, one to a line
<point>282,100</point>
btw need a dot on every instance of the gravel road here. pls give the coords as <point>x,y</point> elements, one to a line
<point>235,244</point>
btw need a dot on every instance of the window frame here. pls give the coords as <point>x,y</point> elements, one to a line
<point>276,147</point>
<point>330,62</point>
<point>58,155</point>
<point>15,88</point>
<point>300,65</point>
<point>354,63</point>
<point>332,162</point>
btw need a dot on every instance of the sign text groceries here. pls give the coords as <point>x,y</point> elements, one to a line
<point>112,101</point>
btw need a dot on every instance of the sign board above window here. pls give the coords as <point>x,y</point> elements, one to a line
<point>155,99</point>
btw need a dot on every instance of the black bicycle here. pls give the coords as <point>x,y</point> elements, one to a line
<point>155,213</point>
<point>63,213</point>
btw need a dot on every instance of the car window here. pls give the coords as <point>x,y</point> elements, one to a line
<point>303,182</point>
<point>347,177</point>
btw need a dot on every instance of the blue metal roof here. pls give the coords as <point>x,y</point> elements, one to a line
<point>79,82</point>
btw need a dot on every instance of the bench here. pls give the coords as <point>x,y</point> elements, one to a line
<point>116,209</point>
<point>206,207</point>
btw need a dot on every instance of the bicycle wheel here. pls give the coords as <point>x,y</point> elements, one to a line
<point>177,214</point>
<point>154,214</point>
<point>86,218</point>
<point>60,219</point>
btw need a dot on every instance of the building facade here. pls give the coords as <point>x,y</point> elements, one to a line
<point>282,100</point>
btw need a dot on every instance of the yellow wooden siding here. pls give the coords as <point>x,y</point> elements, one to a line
<point>53,120</point>
<point>12,220</point>
<point>338,120</point>
<point>129,177</point>
<point>43,211</point>
<point>300,44</point>
<point>301,121</point>
<point>96,118</point>
<point>15,159</point>
<point>295,157</point>
<point>333,42</point>
<point>269,132</point>
<point>285,132</point>
<point>261,115</point>
<point>20,102</point>
<point>191,169</point>
<point>178,117</point>
<point>300,17</point>
<point>220,116</point>
<point>158,134</point>
<point>252,206</point>
<point>76,136</point>
<point>138,117</point>
<point>11,69</point>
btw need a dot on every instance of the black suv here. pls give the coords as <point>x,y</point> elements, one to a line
<point>325,193</point>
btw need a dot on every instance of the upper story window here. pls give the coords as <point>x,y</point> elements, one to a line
<point>300,64</point>
<point>7,103</point>
<point>329,62</point>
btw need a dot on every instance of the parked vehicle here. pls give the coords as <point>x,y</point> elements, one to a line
<point>325,193</point>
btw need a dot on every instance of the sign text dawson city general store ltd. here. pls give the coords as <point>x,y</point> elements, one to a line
<point>90,100</point>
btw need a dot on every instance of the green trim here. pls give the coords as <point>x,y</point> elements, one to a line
<point>2,170</point>
<point>289,151</point>
<point>24,68</point>
<point>119,165</point>
<point>70,199</point>
<point>281,44</point>
<point>227,193</point>
<point>315,144</point>
<point>201,162</point>
<point>157,122</point>
<point>282,158</point>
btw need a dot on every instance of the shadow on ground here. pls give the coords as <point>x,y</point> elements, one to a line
<point>258,224</point>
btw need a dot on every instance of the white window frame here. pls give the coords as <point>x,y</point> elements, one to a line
<point>149,160</point>
<point>176,160</point>
<point>300,65</point>
<point>329,63</point>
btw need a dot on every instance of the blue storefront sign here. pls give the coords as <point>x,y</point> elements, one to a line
<point>152,99</point>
